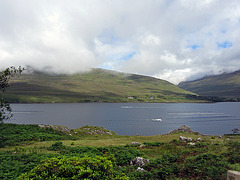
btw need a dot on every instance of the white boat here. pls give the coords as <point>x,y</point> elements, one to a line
<point>157,120</point>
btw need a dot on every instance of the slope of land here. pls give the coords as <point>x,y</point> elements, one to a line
<point>224,85</point>
<point>90,152</point>
<point>96,86</point>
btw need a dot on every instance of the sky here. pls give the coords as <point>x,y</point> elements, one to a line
<point>175,40</point>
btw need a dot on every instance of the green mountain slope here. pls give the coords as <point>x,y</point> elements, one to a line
<point>224,85</point>
<point>96,86</point>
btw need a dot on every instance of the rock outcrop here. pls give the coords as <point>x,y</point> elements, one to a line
<point>94,130</point>
<point>139,161</point>
<point>85,130</point>
<point>184,128</point>
<point>56,127</point>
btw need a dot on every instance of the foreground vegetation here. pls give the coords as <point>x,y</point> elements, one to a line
<point>31,152</point>
<point>97,85</point>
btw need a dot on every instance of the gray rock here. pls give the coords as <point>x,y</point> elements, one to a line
<point>135,143</point>
<point>139,161</point>
<point>142,145</point>
<point>41,126</point>
<point>56,127</point>
<point>233,175</point>
<point>98,132</point>
<point>86,129</point>
<point>191,143</point>
<point>108,133</point>
<point>140,169</point>
<point>182,138</point>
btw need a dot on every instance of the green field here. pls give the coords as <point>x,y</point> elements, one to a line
<point>32,152</point>
<point>97,85</point>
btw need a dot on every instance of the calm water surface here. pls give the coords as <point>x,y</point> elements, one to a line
<point>134,118</point>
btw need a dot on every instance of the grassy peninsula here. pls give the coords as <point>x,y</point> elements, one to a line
<point>35,152</point>
<point>98,85</point>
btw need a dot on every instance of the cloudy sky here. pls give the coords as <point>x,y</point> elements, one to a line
<point>175,40</point>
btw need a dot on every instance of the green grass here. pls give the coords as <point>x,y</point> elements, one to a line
<point>169,157</point>
<point>95,86</point>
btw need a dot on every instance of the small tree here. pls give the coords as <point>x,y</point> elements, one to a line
<point>5,76</point>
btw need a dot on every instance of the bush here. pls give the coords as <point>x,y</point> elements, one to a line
<point>233,153</point>
<point>154,144</point>
<point>120,155</point>
<point>132,173</point>
<point>72,168</point>
<point>205,166</point>
<point>15,134</point>
<point>164,167</point>
<point>13,165</point>
<point>57,146</point>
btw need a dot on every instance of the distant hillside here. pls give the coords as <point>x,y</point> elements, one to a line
<point>224,85</point>
<point>96,86</point>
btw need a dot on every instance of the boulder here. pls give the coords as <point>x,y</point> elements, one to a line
<point>182,138</point>
<point>139,161</point>
<point>109,133</point>
<point>232,175</point>
<point>140,169</point>
<point>191,143</point>
<point>135,143</point>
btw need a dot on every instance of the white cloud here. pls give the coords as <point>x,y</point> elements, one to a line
<point>174,40</point>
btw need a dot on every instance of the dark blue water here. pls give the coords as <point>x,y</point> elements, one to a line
<point>134,118</point>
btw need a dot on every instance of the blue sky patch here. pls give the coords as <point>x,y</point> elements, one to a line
<point>226,44</point>
<point>128,56</point>
<point>195,46</point>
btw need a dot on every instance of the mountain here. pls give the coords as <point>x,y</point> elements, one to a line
<point>98,85</point>
<point>223,85</point>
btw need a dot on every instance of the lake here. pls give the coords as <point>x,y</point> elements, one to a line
<point>134,118</point>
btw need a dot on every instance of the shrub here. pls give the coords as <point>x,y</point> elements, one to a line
<point>133,174</point>
<point>13,165</point>
<point>15,134</point>
<point>164,167</point>
<point>57,146</point>
<point>205,166</point>
<point>72,168</point>
<point>154,144</point>
<point>233,153</point>
<point>120,154</point>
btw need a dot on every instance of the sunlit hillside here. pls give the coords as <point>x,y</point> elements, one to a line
<point>96,86</point>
